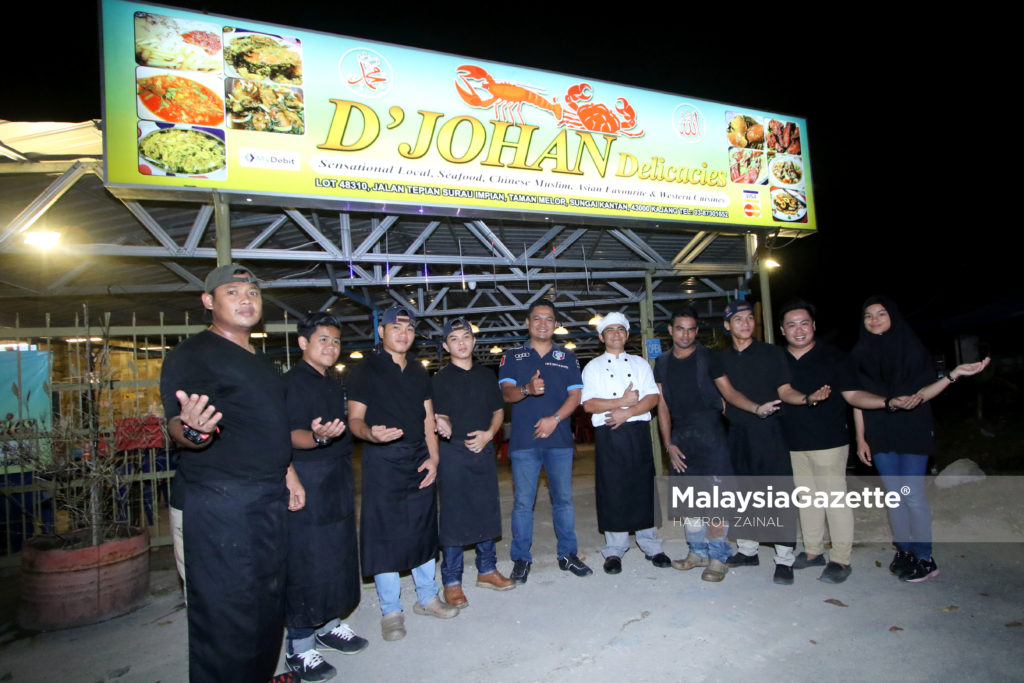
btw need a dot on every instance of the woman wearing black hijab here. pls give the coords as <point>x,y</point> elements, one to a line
<point>890,361</point>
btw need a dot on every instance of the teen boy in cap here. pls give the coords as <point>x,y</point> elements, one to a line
<point>323,558</point>
<point>225,406</point>
<point>619,391</point>
<point>542,382</point>
<point>469,409</point>
<point>756,443</point>
<point>390,408</point>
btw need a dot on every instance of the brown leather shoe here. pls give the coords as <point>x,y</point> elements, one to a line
<point>454,596</point>
<point>495,581</point>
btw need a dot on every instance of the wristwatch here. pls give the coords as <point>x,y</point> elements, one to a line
<point>321,442</point>
<point>194,435</point>
<point>525,390</point>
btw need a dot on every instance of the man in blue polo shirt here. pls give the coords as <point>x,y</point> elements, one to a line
<point>542,382</point>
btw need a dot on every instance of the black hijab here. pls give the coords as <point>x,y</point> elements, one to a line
<point>894,363</point>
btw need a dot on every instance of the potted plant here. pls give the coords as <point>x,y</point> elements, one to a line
<point>89,566</point>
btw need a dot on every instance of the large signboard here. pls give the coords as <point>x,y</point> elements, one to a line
<point>206,102</point>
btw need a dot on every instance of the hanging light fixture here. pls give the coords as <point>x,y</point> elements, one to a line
<point>595,321</point>
<point>355,355</point>
<point>496,350</point>
<point>570,345</point>
<point>561,330</point>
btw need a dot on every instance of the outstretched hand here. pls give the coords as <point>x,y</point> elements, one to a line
<point>327,430</point>
<point>968,369</point>
<point>766,409</point>
<point>197,412</point>
<point>382,434</point>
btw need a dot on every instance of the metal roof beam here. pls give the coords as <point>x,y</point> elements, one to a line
<point>566,243</point>
<point>495,241</point>
<point>45,199</point>
<point>313,232</point>
<point>416,244</point>
<point>183,274</point>
<point>266,232</point>
<point>199,225</point>
<point>376,233</point>
<point>154,228</point>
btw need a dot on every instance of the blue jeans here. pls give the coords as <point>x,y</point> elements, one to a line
<point>451,561</point>
<point>302,639</point>
<point>911,521</point>
<point>526,466</point>
<point>712,545</point>
<point>389,587</point>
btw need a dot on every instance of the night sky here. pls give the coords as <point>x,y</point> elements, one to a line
<point>900,210</point>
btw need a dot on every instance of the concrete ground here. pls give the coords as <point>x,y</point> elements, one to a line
<point>645,624</point>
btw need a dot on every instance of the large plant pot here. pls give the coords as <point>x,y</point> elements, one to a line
<point>65,588</point>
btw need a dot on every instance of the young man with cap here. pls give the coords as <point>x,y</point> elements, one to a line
<point>390,408</point>
<point>759,371</point>
<point>225,406</point>
<point>469,410</point>
<point>692,429</point>
<point>542,382</point>
<point>619,391</point>
<point>323,557</point>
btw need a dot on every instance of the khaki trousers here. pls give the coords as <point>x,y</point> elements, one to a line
<point>824,470</point>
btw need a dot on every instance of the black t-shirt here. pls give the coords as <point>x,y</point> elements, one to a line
<point>684,399</point>
<point>757,372</point>
<point>254,440</point>
<point>824,425</point>
<point>393,397</point>
<point>311,395</point>
<point>468,397</point>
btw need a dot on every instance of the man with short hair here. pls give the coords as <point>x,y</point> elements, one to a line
<point>390,408</point>
<point>469,410</point>
<point>542,382</point>
<point>757,378</point>
<point>691,426</point>
<point>323,557</point>
<point>619,391</point>
<point>225,407</point>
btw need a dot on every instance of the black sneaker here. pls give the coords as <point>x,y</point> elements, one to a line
<point>802,562</point>
<point>741,560</point>
<point>783,574</point>
<point>613,565</point>
<point>661,560</point>
<point>520,571</point>
<point>571,563</point>
<point>921,571</point>
<point>902,562</point>
<point>835,573</point>
<point>342,639</point>
<point>310,666</point>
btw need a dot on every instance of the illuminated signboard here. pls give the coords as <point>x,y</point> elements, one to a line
<point>194,101</point>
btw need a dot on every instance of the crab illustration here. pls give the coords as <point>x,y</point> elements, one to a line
<point>579,112</point>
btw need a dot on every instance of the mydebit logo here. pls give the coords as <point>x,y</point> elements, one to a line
<point>269,158</point>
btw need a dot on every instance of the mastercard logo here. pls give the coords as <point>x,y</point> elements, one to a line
<point>752,210</point>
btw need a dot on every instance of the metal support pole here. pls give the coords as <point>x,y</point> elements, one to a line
<point>647,332</point>
<point>222,226</point>
<point>766,302</point>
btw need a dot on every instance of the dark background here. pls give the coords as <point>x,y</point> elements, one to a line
<point>907,203</point>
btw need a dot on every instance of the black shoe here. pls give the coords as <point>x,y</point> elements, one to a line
<point>902,562</point>
<point>520,571</point>
<point>310,666</point>
<point>342,639</point>
<point>571,563</point>
<point>783,575</point>
<point>741,560</point>
<point>803,563</point>
<point>835,573</point>
<point>660,560</point>
<point>613,565</point>
<point>921,571</point>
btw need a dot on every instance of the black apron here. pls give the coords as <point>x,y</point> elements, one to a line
<point>624,478</point>
<point>234,536</point>
<point>758,449</point>
<point>398,525</point>
<point>468,485</point>
<point>323,557</point>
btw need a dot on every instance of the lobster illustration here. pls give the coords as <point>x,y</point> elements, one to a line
<point>508,98</point>
<point>580,113</point>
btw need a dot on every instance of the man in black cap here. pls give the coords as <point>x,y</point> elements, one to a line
<point>225,406</point>
<point>390,408</point>
<point>755,377</point>
<point>323,558</point>
<point>619,391</point>
<point>469,411</point>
